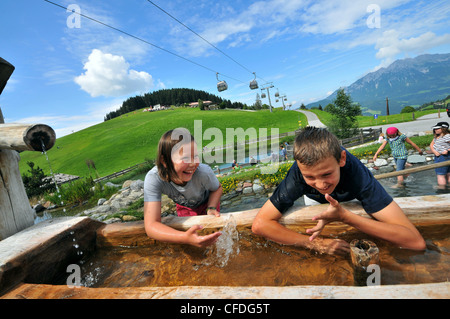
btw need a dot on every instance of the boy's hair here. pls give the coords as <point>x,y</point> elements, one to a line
<point>168,144</point>
<point>314,144</point>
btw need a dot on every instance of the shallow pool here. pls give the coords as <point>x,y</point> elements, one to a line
<point>253,261</point>
<point>416,184</point>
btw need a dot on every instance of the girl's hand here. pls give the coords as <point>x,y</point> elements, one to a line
<point>200,241</point>
<point>212,211</point>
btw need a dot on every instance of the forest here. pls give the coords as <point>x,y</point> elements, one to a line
<point>168,97</point>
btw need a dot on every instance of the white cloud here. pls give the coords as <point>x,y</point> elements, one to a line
<point>64,125</point>
<point>390,45</point>
<point>110,75</point>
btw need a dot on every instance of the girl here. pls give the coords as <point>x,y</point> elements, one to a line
<point>440,146</point>
<point>192,186</point>
<point>398,148</point>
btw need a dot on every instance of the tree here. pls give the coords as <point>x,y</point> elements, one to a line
<point>200,105</point>
<point>37,182</point>
<point>344,122</point>
<point>408,109</point>
<point>258,103</point>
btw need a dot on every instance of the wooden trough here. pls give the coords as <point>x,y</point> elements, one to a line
<point>28,257</point>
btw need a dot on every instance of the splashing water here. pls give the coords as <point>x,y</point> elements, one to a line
<point>52,174</point>
<point>226,246</point>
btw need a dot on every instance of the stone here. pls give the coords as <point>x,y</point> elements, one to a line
<point>129,218</point>
<point>417,159</point>
<point>380,162</point>
<point>127,183</point>
<point>137,185</point>
<point>258,188</point>
<point>101,201</point>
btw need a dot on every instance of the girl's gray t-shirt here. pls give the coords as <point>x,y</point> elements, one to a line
<point>191,195</point>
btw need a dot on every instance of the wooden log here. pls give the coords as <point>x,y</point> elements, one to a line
<point>26,137</point>
<point>15,210</point>
<point>421,210</point>
<point>16,213</point>
<point>412,170</point>
<point>363,253</point>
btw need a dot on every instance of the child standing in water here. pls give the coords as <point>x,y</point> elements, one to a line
<point>192,186</point>
<point>397,141</point>
<point>440,146</point>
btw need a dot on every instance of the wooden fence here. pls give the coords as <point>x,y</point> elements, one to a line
<point>365,135</point>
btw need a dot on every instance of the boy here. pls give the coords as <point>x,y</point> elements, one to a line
<point>326,172</point>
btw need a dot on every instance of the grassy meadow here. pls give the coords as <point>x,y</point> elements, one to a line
<point>132,138</point>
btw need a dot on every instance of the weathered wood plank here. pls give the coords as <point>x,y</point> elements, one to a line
<point>419,291</point>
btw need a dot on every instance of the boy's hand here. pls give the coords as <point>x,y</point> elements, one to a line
<point>332,213</point>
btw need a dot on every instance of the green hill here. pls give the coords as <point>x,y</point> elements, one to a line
<point>131,138</point>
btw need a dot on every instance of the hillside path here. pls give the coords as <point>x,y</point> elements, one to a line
<point>313,120</point>
<point>422,124</point>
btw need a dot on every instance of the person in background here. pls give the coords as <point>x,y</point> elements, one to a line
<point>440,146</point>
<point>397,141</point>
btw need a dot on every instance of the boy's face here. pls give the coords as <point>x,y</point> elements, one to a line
<point>324,175</point>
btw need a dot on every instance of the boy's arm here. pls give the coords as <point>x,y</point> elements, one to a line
<point>390,224</point>
<point>266,224</point>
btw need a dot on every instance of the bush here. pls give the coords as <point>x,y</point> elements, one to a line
<point>37,183</point>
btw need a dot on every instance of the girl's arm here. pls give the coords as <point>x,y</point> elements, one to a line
<point>432,148</point>
<point>157,230</point>
<point>214,200</point>
<point>379,150</point>
<point>414,145</point>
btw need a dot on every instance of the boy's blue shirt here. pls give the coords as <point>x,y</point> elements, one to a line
<point>356,182</point>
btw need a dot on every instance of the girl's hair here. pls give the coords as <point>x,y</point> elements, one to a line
<point>170,142</point>
<point>444,131</point>
<point>314,144</point>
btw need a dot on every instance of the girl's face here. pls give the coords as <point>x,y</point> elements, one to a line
<point>437,131</point>
<point>185,162</point>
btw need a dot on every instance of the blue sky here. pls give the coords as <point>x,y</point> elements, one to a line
<point>71,71</point>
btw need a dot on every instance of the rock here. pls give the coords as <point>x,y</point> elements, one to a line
<point>257,188</point>
<point>380,162</point>
<point>247,190</point>
<point>129,218</point>
<point>137,185</point>
<point>109,184</point>
<point>416,159</point>
<point>127,184</point>
<point>101,201</point>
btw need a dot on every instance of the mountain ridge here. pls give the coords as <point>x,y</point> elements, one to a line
<point>409,81</point>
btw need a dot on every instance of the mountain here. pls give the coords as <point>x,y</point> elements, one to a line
<point>411,81</point>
